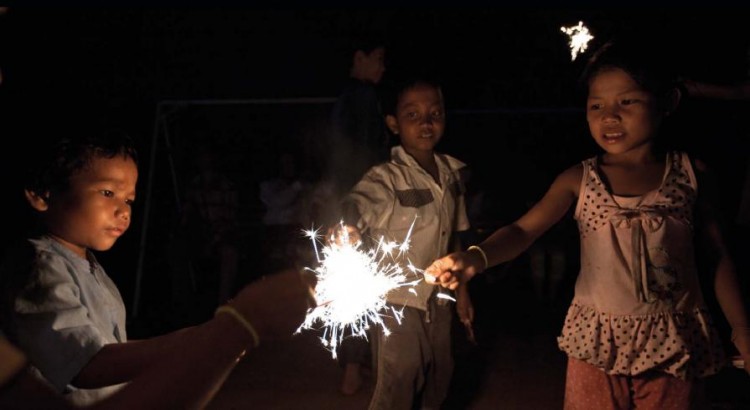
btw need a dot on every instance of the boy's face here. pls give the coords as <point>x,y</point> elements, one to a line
<point>96,208</point>
<point>622,116</point>
<point>420,118</point>
<point>372,64</point>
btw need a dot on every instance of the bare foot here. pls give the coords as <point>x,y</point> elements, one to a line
<point>352,379</point>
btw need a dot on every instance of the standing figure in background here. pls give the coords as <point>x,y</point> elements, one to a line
<point>211,217</point>
<point>282,196</point>
<point>359,136</point>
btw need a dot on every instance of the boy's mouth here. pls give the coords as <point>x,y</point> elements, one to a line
<point>613,137</point>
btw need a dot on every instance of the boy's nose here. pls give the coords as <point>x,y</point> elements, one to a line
<point>123,211</point>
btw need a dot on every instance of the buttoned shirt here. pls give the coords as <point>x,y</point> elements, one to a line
<point>399,200</point>
<point>80,310</point>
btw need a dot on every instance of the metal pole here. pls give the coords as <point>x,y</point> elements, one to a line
<point>146,209</point>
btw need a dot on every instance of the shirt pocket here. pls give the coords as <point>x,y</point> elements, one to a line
<point>414,198</point>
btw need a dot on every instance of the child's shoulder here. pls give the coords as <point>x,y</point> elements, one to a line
<point>570,178</point>
<point>452,162</point>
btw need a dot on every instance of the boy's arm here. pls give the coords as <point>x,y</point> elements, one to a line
<point>117,363</point>
<point>192,371</point>
<point>726,284</point>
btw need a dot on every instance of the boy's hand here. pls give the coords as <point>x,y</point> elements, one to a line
<point>276,305</point>
<point>465,311</point>
<point>340,234</point>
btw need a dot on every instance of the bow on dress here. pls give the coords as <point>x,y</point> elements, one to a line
<point>640,221</point>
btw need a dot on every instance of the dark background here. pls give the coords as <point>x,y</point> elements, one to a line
<point>514,112</point>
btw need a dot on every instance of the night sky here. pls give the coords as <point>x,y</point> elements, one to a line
<point>507,75</point>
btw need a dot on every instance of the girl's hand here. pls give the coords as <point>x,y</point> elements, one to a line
<point>457,267</point>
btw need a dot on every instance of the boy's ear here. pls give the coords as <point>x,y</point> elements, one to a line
<point>672,100</point>
<point>392,124</point>
<point>359,55</point>
<point>38,202</point>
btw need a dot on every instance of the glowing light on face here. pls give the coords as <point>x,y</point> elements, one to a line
<point>352,285</point>
<point>579,38</point>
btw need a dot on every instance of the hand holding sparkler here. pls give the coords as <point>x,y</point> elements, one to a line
<point>352,284</point>
<point>457,267</point>
<point>341,234</point>
<point>274,306</point>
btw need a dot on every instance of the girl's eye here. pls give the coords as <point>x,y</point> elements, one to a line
<point>411,115</point>
<point>107,193</point>
<point>595,107</point>
<point>130,201</point>
<point>437,114</point>
<point>627,101</point>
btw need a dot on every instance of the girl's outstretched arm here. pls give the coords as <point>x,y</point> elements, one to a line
<point>726,285</point>
<point>511,240</point>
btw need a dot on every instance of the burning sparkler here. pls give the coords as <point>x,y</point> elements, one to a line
<point>352,285</point>
<point>579,38</point>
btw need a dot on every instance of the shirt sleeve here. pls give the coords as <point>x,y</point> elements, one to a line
<point>373,196</point>
<point>52,324</point>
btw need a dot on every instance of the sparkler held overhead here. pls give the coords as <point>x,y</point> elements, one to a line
<point>579,38</point>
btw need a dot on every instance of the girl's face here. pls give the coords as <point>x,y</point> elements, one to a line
<point>622,116</point>
<point>96,208</point>
<point>420,118</point>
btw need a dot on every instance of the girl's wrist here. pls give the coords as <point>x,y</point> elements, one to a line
<point>481,258</point>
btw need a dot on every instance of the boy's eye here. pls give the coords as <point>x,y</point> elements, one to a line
<point>411,115</point>
<point>107,193</point>
<point>437,114</point>
<point>628,101</point>
<point>594,107</point>
<point>130,201</point>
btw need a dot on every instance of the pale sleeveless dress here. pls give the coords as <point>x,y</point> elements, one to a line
<point>638,304</point>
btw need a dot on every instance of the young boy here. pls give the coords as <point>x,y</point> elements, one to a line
<point>420,186</point>
<point>63,311</point>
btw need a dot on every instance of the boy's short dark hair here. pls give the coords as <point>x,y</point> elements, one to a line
<point>51,170</point>
<point>367,43</point>
<point>648,64</point>
<point>396,88</point>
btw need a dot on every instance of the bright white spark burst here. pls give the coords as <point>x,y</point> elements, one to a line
<point>352,285</point>
<point>579,38</point>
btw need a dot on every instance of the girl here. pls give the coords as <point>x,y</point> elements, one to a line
<point>637,332</point>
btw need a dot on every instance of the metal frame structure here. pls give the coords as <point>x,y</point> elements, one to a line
<point>164,109</point>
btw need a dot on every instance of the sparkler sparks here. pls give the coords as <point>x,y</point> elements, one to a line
<point>579,38</point>
<point>352,285</point>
